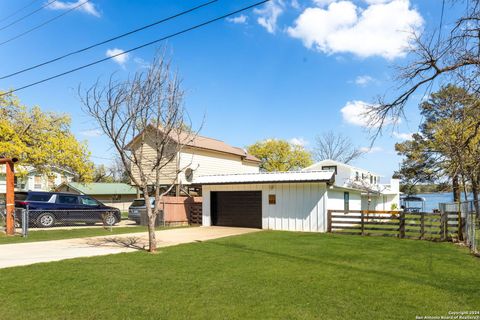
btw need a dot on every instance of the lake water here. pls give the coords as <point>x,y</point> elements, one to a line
<point>433,199</point>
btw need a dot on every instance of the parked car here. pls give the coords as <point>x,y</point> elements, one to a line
<point>138,207</point>
<point>48,208</point>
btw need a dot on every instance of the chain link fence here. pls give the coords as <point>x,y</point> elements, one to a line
<point>3,213</point>
<point>43,218</point>
<point>468,222</point>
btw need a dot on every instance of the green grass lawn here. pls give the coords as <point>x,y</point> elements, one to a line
<point>265,275</point>
<point>42,235</point>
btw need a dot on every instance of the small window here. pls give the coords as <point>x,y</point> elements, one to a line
<point>371,179</point>
<point>67,199</point>
<point>88,201</point>
<point>272,199</point>
<point>39,197</point>
<point>330,168</point>
<point>357,176</point>
<point>138,203</point>
<point>37,182</point>
<point>346,201</point>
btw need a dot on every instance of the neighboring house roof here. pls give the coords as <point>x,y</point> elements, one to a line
<point>206,143</point>
<point>327,162</point>
<point>98,188</point>
<point>267,177</point>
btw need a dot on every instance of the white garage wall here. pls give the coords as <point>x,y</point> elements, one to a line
<point>335,200</point>
<point>299,206</point>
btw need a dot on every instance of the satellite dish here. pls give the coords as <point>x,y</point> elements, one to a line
<point>189,174</point>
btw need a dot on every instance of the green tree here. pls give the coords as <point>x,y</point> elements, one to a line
<point>102,174</point>
<point>280,155</point>
<point>447,145</point>
<point>41,139</point>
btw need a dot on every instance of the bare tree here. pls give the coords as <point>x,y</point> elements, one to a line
<point>334,146</point>
<point>453,58</point>
<point>144,119</point>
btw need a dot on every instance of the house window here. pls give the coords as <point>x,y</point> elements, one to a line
<point>371,179</point>
<point>330,168</point>
<point>272,199</point>
<point>346,201</point>
<point>357,176</point>
<point>363,176</point>
<point>37,182</point>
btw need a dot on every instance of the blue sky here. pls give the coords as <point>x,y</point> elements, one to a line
<point>290,69</point>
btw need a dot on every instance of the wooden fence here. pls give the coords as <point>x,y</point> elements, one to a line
<point>182,210</point>
<point>421,225</point>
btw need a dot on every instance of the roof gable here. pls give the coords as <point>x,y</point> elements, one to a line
<point>205,143</point>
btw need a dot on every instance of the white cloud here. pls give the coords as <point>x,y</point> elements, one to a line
<point>141,63</point>
<point>121,59</point>
<point>403,136</point>
<point>269,14</point>
<point>298,141</point>
<point>323,3</point>
<point>354,113</point>
<point>364,80</point>
<point>371,149</point>
<point>88,7</point>
<point>91,133</point>
<point>241,19</point>
<point>377,1</point>
<point>381,29</point>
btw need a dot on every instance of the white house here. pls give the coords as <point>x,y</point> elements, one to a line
<point>362,184</point>
<point>293,201</point>
<point>35,181</point>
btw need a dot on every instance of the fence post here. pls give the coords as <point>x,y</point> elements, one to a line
<point>362,221</point>
<point>444,225</point>
<point>460,222</point>
<point>401,225</point>
<point>422,225</point>
<point>25,222</point>
<point>329,220</point>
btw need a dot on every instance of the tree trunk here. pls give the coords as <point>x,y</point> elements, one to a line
<point>476,205</point>
<point>152,241</point>
<point>456,189</point>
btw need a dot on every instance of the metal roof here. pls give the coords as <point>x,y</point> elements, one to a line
<point>98,188</point>
<point>267,177</point>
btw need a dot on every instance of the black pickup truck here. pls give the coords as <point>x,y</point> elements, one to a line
<point>47,209</point>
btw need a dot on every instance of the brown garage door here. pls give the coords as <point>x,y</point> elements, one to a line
<point>237,209</point>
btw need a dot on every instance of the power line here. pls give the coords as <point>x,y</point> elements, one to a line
<point>108,40</point>
<point>27,15</point>
<point>19,10</point>
<point>44,23</point>
<point>136,48</point>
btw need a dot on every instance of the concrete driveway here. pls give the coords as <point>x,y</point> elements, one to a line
<point>21,254</point>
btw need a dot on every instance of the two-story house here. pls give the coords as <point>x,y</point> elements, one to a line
<point>199,156</point>
<point>33,180</point>
<point>361,188</point>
